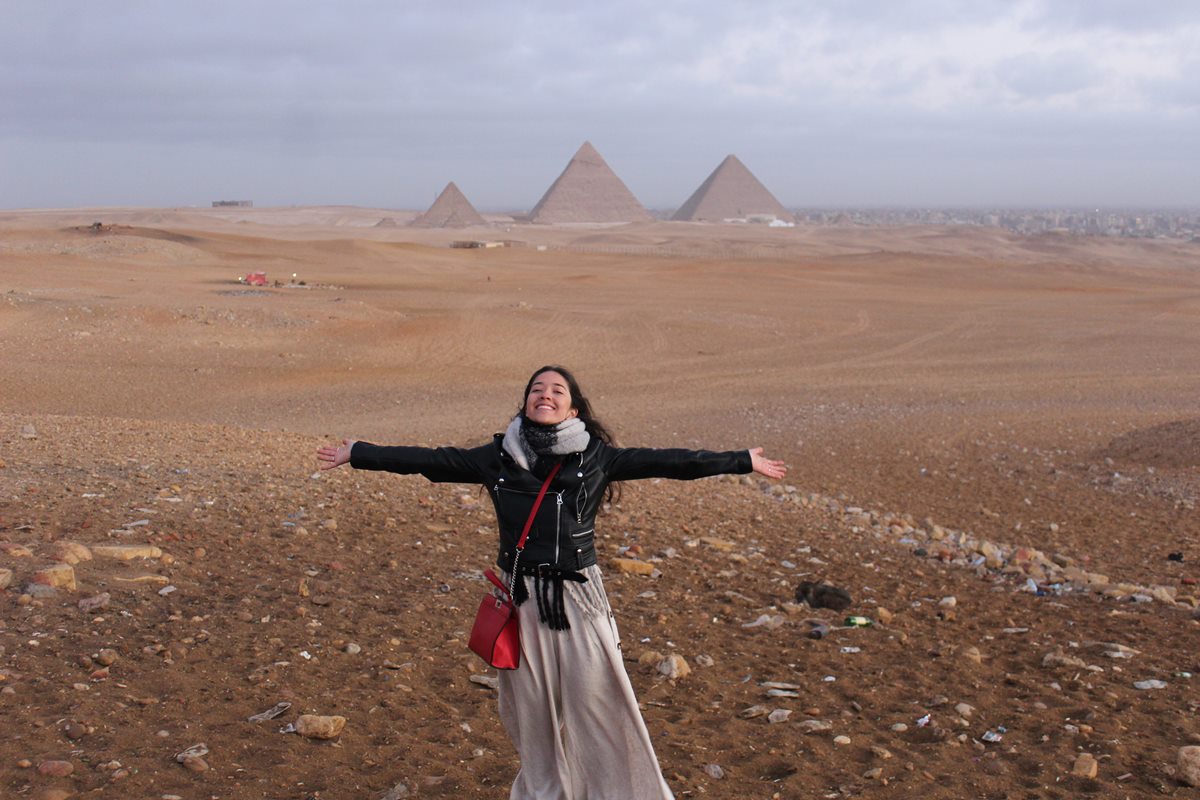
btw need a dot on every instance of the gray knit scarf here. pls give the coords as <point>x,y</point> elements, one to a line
<point>526,441</point>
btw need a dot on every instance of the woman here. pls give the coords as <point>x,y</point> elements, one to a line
<point>569,707</point>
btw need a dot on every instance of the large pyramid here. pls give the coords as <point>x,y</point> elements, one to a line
<point>588,191</point>
<point>452,209</point>
<point>731,192</point>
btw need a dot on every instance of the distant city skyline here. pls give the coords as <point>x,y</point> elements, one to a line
<point>860,104</point>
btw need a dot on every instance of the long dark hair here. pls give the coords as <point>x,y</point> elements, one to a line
<point>578,402</point>
<point>583,407</point>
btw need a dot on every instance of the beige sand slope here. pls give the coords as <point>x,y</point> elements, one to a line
<point>588,191</point>
<point>451,209</point>
<point>731,192</point>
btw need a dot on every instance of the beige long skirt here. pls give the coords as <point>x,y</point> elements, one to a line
<point>570,709</point>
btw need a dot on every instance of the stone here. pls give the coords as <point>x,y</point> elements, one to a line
<point>160,580</point>
<point>490,681</point>
<point>53,793</point>
<point>1085,766</point>
<point>1057,658</point>
<point>881,752</point>
<point>71,552</point>
<point>815,725</point>
<point>352,649</point>
<point>56,769</point>
<point>884,616</point>
<point>704,661</point>
<point>107,657</point>
<point>313,726</point>
<point>194,764</point>
<point>15,550</point>
<point>753,712</point>
<point>1153,683</point>
<point>717,544</point>
<point>6,576</point>
<point>964,710</point>
<point>714,771</point>
<point>630,566</point>
<point>949,601</point>
<point>59,576</point>
<point>75,730</point>
<point>841,740</point>
<point>1188,763</point>
<point>972,654</point>
<point>29,432</point>
<point>126,552</point>
<point>650,658</point>
<point>674,667</point>
<point>779,715</point>
<point>768,621</point>
<point>89,605</point>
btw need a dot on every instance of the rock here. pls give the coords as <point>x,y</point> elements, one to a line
<point>89,605</point>
<point>884,616</point>
<point>650,658</point>
<point>398,792</point>
<point>949,601</point>
<point>15,550</point>
<point>71,552</point>
<point>74,730</point>
<point>881,752</point>
<point>161,580</point>
<point>1085,766</point>
<point>717,544</point>
<point>674,667</point>
<point>630,566</point>
<point>29,432</point>
<point>704,661</point>
<point>56,769</point>
<point>972,654</point>
<point>964,710</point>
<point>873,774</point>
<point>779,715</point>
<point>6,576</point>
<point>126,552</point>
<point>317,727</point>
<point>714,771</point>
<point>822,595</point>
<point>1153,683</point>
<point>815,725</point>
<point>768,621</point>
<point>352,649</point>
<point>194,764</point>
<point>1188,762</point>
<point>59,576</point>
<point>753,712</point>
<point>490,681</point>
<point>1057,658</point>
<point>841,740</point>
<point>899,727</point>
<point>53,793</point>
<point>107,657</point>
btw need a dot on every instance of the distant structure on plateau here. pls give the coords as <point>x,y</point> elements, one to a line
<point>730,193</point>
<point>451,209</point>
<point>588,191</point>
<point>233,204</point>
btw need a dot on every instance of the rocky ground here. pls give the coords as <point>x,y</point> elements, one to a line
<point>173,568</point>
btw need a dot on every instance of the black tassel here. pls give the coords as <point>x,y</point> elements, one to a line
<point>559,622</point>
<point>519,592</point>
<point>539,590</point>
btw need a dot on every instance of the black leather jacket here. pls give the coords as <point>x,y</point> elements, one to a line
<point>563,534</point>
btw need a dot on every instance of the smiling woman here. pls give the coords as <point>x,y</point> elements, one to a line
<point>569,707</point>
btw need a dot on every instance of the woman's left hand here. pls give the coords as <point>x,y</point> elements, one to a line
<point>766,466</point>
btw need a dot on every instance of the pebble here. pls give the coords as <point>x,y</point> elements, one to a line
<point>779,715</point>
<point>881,752</point>
<point>352,649</point>
<point>1153,683</point>
<point>1085,766</point>
<point>704,661</point>
<point>674,667</point>
<point>949,601</point>
<point>754,711</point>
<point>1188,762</point>
<point>873,774</point>
<point>6,576</point>
<point>964,710</point>
<point>107,657</point>
<point>899,727</point>
<point>56,769</point>
<point>841,740</point>
<point>90,605</point>
<point>490,681</point>
<point>313,726</point>
<point>714,771</point>
<point>815,726</point>
<point>630,566</point>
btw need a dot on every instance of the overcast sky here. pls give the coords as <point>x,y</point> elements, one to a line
<point>381,102</point>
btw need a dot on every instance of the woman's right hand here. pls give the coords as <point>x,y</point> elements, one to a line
<point>331,457</point>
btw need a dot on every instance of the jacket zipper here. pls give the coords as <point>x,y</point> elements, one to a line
<point>557,526</point>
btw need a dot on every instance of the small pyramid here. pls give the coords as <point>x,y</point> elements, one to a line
<point>588,191</point>
<point>731,192</point>
<point>452,209</point>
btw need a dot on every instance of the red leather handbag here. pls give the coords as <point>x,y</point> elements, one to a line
<point>496,634</point>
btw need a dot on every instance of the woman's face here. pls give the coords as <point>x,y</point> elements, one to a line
<point>549,399</point>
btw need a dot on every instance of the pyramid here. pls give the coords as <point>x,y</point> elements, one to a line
<point>731,192</point>
<point>588,191</point>
<point>452,209</point>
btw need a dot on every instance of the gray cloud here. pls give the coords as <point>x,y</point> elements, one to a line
<point>380,103</point>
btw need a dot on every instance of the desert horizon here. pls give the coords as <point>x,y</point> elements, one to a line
<point>1007,421</point>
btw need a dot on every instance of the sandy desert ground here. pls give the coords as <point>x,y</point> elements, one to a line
<point>994,445</point>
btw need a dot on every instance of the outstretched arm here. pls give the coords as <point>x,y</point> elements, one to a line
<point>331,457</point>
<point>766,466</point>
